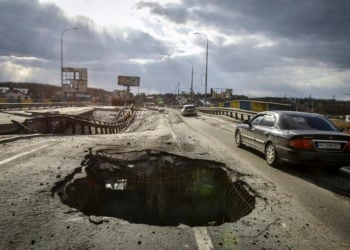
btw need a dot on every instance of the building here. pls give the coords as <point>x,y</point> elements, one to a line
<point>14,95</point>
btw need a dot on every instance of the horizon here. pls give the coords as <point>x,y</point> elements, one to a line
<point>196,93</point>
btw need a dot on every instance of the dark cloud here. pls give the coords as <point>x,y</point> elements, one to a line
<point>315,29</point>
<point>286,18</point>
<point>27,28</point>
<point>33,29</point>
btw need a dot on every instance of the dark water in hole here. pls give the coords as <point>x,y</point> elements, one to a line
<point>160,190</point>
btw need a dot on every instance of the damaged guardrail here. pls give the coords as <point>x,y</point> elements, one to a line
<point>238,114</point>
<point>71,124</point>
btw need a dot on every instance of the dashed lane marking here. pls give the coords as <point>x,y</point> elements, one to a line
<point>202,238</point>
<point>201,233</point>
<point>172,133</point>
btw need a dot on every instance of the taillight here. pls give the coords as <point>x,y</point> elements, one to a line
<point>306,144</point>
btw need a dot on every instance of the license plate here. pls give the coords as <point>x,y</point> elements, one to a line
<point>325,145</point>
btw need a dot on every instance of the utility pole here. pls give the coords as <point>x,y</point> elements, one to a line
<point>62,33</point>
<point>178,92</point>
<point>191,88</point>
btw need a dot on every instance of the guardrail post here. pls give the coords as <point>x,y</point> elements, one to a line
<point>82,129</point>
<point>48,130</point>
<point>73,128</point>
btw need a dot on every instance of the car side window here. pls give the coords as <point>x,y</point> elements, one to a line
<point>257,120</point>
<point>268,121</point>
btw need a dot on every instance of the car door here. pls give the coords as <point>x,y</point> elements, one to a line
<point>248,131</point>
<point>263,130</point>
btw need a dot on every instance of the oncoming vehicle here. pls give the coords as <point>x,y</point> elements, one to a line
<point>295,137</point>
<point>188,110</point>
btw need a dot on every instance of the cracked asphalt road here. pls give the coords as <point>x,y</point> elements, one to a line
<point>295,207</point>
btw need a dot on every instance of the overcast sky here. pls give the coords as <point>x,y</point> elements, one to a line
<point>256,47</point>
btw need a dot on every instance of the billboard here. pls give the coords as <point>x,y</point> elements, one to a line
<point>129,81</point>
<point>220,93</point>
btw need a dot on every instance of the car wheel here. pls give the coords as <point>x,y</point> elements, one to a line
<point>271,155</point>
<point>238,139</point>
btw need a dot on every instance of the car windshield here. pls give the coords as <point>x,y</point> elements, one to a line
<point>189,107</point>
<point>303,122</point>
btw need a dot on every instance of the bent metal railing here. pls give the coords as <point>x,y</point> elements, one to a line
<point>238,114</point>
<point>71,124</point>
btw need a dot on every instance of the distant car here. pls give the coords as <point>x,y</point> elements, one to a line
<point>295,137</point>
<point>188,110</point>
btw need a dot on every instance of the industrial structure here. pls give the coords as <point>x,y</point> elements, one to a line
<point>74,81</point>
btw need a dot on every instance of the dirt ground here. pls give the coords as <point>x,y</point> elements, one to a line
<point>34,218</point>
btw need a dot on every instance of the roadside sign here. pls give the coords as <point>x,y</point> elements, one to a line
<point>129,81</point>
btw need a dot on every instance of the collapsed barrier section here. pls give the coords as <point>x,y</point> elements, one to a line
<point>71,124</point>
<point>157,188</point>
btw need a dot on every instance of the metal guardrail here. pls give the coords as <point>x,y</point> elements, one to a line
<point>71,124</point>
<point>238,114</point>
<point>20,106</point>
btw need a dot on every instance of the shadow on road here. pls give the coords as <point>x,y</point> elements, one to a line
<point>320,176</point>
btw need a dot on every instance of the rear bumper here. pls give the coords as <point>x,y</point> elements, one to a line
<point>313,157</point>
<point>188,113</point>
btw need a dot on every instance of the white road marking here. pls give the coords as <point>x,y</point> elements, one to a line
<point>201,234</point>
<point>22,154</point>
<point>172,133</point>
<point>202,238</point>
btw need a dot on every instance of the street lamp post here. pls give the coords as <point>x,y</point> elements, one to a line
<point>177,92</point>
<point>62,33</point>
<point>191,89</point>
<point>206,69</point>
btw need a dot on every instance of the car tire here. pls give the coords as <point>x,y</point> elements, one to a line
<point>271,156</point>
<point>238,139</point>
